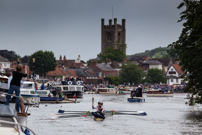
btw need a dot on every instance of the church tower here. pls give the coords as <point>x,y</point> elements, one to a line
<point>111,34</point>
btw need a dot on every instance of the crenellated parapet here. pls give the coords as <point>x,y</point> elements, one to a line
<point>112,33</point>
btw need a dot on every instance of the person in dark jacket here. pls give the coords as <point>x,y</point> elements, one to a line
<point>139,91</point>
<point>15,86</point>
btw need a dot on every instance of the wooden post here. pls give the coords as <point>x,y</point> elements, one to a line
<point>92,101</point>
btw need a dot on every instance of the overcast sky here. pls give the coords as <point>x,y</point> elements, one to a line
<point>73,27</point>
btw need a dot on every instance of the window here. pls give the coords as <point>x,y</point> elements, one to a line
<point>79,88</point>
<point>72,88</point>
<point>109,36</point>
<point>172,72</point>
<point>176,80</point>
<point>119,37</point>
<point>171,80</point>
<point>27,86</point>
<point>65,88</point>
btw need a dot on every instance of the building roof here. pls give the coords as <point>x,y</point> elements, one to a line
<point>2,59</point>
<point>137,57</point>
<point>57,72</point>
<point>71,72</point>
<point>178,69</point>
<point>84,73</point>
<point>166,61</point>
<point>105,67</point>
<point>115,65</point>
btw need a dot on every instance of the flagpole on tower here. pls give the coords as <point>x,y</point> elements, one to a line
<point>112,13</point>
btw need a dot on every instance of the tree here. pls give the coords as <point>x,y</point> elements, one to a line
<point>188,47</point>
<point>10,55</point>
<point>25,59</point>
<point>131,73</point>
<point>44,62</point>
<point>155,75</point>
<point>115,53</point>
<point>116,80</point>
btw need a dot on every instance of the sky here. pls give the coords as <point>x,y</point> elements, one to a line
<point>73,27</point>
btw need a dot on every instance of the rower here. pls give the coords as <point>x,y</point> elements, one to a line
<point>100,111</point>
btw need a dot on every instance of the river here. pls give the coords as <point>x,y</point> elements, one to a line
<point>165,116</point>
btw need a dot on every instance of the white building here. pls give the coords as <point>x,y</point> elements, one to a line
<point>4,63</point>
<point>174,74</point>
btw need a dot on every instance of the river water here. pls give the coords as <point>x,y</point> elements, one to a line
<point>165,116</point>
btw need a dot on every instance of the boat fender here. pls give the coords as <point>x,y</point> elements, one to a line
<point>70,83</point>
<point>26,132</point>
<point>78,83</point>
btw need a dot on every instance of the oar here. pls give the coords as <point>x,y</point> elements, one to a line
<point>68,116</point>
<point>63,111</point>
<point>112,112</point>
<point>140,113</point>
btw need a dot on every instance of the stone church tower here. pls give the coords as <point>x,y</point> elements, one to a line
<point>111,34</point>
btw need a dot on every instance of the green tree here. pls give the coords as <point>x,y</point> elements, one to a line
<point>44,62</point>
<point>188,47</point>
<point>131,73</point>
<point>116,80</point>
<point>155,75</point>
<point>116,53</point>
<point>160,52</point>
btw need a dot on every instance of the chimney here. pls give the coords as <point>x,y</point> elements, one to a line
<point>85,69</point>
<point>60,57</point>
<point>93,63</point>
<point>109,61</point>
<point>64,58</point>
<point>140,64</point>
<point>106,61</point>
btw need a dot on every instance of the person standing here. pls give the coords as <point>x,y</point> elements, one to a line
<point>42,86</point>
<point>15,86</point>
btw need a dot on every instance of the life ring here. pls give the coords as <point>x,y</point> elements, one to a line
<point>78,83</point>
<point>70,83</point>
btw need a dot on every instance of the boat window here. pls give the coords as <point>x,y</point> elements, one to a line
<point>27,86</point>
<point>79,88</point>
<point>65,88</point>
<point>42,93</point>
<point>72,88</point>
<point>24,92</point>
<point>59,88</point>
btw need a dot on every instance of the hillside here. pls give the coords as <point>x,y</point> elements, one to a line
<point>160,52</point>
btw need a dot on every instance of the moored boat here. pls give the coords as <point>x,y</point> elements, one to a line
<point>29,93</point>
<point>159,93</point>
<point>107,91</point>
<point>46,95</point>
<point>71,89</point>
<point>125,91</point>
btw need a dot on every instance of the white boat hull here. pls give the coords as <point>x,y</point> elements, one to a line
<point>31,99</point>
